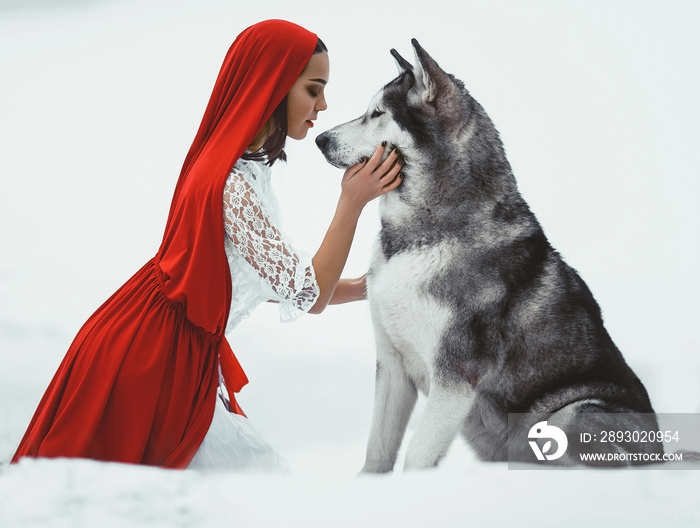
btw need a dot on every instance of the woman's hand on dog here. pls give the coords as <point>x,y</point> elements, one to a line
<point>350,290</point>
<point>372,177</point>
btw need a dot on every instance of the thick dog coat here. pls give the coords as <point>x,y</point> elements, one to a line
<point>470,303</point>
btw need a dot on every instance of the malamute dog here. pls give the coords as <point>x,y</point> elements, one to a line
<point>470,303</point>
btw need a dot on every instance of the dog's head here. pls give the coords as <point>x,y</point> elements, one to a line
<point>418,112</point>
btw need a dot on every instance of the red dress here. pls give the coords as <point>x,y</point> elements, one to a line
<point>138,383</point>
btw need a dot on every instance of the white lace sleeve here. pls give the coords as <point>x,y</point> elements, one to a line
<point>248,226</point>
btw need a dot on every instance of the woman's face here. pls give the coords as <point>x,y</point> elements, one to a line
<point>306,98</point>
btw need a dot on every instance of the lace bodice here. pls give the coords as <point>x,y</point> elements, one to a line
<point>263,263</point>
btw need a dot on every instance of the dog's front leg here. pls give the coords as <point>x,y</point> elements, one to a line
<point>445,412</point>
<point>394,399</point>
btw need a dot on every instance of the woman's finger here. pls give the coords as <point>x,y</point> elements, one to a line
<point>398,180</point>
<point>392,159</point>
<point>393,169</point>
<point>376,159</point>
<point>352,170</point>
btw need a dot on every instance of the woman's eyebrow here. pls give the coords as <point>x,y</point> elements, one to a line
<point>322,81</point>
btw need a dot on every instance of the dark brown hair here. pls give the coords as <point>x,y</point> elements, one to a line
<point>276,129</point>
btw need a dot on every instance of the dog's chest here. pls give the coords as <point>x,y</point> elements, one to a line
<point>403,307</point>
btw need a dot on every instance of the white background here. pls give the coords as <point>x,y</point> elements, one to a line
<point>597,107</point>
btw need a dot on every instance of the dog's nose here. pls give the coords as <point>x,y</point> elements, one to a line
<point>322,140</point>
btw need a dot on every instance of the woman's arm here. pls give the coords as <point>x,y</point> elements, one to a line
<point>361,184</point>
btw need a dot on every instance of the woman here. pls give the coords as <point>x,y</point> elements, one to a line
<point>139,382</point>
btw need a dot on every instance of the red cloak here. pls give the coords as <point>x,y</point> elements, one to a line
<point>138,383</point>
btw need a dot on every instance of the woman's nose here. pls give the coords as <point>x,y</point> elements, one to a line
<point>321,105</point>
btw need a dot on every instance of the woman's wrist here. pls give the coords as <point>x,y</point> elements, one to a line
<point>330,258</point>
<point>350,205</point>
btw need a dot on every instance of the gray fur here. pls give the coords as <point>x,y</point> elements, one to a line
<point>496,322</point>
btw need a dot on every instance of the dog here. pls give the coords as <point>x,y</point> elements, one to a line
<point>470,303</point>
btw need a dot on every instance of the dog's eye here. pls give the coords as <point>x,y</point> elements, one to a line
<point>376,113</point>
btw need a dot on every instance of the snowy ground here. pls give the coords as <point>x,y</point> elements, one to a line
<point>597,106</point>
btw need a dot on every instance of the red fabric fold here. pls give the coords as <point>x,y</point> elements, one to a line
<point>138,383</point>
<point>232,372</point>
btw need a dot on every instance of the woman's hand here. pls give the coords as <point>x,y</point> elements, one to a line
<point>350,290</point>
<point>371,178</point>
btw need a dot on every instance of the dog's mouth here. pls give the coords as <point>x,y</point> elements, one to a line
<point>341,157</point>
<point>343,164</point>
<point>337,164</point>
<point>387,151</point>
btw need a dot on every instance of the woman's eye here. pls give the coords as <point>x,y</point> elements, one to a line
<point>376,113</point>
<point>313,93</point>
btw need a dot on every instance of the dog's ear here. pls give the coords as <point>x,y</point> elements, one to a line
<point>402,64</point>
<point>430,78</point>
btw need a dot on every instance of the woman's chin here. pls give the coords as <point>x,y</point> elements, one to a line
<point>298,134</point>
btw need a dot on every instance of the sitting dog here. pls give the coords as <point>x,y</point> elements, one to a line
<point>470,303</point>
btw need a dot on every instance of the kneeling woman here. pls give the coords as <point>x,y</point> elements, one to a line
<point>139,382</point>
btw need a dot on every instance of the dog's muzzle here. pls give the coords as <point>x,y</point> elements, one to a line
<point>328,146</point>
<point>322,141</point>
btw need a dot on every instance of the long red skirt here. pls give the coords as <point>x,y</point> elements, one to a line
<point>138,383</point>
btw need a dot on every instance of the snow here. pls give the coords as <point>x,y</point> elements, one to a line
<point>84,493</point>
<point>597,106</point>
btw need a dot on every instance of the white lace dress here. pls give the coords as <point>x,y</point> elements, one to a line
<point>264,266</point>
